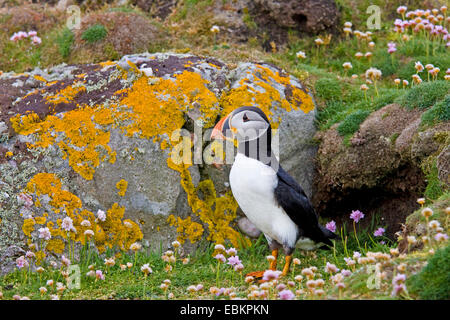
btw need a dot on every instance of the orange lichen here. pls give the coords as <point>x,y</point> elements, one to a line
<point>40,78</point>
<point>81,139</point>
<point>158,108</point>
<point>113,232</point>
<point>186,229</point>
<point>65,95</point>
<point>122,187</point>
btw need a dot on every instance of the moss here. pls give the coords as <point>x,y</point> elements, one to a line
<point>65,41</point>
<point>328,89</point>
<point>248,20</point>
<point>434,187</point>
<point>424,95</point>
<point>439,112</point>
<point>433,281</point>
<point>327,116</point>
<point>351,123</point>
<point>94,33</point>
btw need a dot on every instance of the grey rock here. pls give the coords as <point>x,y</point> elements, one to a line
<point>154,190</point>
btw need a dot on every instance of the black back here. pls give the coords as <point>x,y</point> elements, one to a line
<point>291,197</point>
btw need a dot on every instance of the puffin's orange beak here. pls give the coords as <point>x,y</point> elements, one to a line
<point>219,131</point>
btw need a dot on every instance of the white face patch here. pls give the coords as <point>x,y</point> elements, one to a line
<point>248,125</point>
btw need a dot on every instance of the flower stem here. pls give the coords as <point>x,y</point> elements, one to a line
<point>143,289</point>
<point>217,273</point>
<point>356,236</point>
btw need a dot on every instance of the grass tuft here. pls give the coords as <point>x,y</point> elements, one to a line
<point>351,123</point>
<point>94,33</point>
<point>433,281</point>
<point>65,41</point>
<point>424,95</point>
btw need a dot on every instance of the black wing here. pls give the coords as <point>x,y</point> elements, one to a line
<point>291,197</point>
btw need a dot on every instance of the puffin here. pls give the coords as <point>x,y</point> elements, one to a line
<point>270,198</point>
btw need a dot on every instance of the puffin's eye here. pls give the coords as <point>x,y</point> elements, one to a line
<point>245,118</point>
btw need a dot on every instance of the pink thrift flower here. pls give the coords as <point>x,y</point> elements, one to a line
<point>398,288</point>
<point>239,267</point>
<point>14,37</point>
<point>220,257</point>
<point>22,35</point>
<point>44,233</point>
<point>101,215</point>
<point>331,268</point>
<point>65,261</point>
<point>441,237</point>
<point>32,33</point>
<point>379,232</point>
<point>220,291</point>
<point>231,252</point>
<point>346,272</point>
<point>21,262</point>
<point>356,215</point>
<point>331,226</point>
<point>399,279</point>
<point>401,9</point>
<point>67,224</point>
<point>392,47</point>
<point>286,295</point>
<point>99,275</point>
<point>271,275</point>
<point>36,40</point>
<point>233,260</point>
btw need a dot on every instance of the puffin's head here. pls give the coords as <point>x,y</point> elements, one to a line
<point>244,123</point>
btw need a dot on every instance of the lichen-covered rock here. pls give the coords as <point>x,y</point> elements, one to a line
<point>120,137</point>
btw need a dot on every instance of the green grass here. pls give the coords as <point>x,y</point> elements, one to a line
<point>433,281</point>
<point>438,113</point>
<point>351,123</point>
<point>328,89</point>
<point>435,187</point>
<point>94,33</point>
<point>131,283</point>
<point>201,269</point>
<point>425,95</point>
<point>65,41</point>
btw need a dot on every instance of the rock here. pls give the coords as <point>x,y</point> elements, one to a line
<point>381,169</point>
<point>127,32</point>
<point>443,165</point>
<point>306,16</point>
<point>157,8</point>
<point>3,127</point>
<point>62,5</point>
<point>99,124</point>
<point>276,17</point>
<point>8,258</point>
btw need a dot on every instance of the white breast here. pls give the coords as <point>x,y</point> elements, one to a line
<point>253,185</point>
